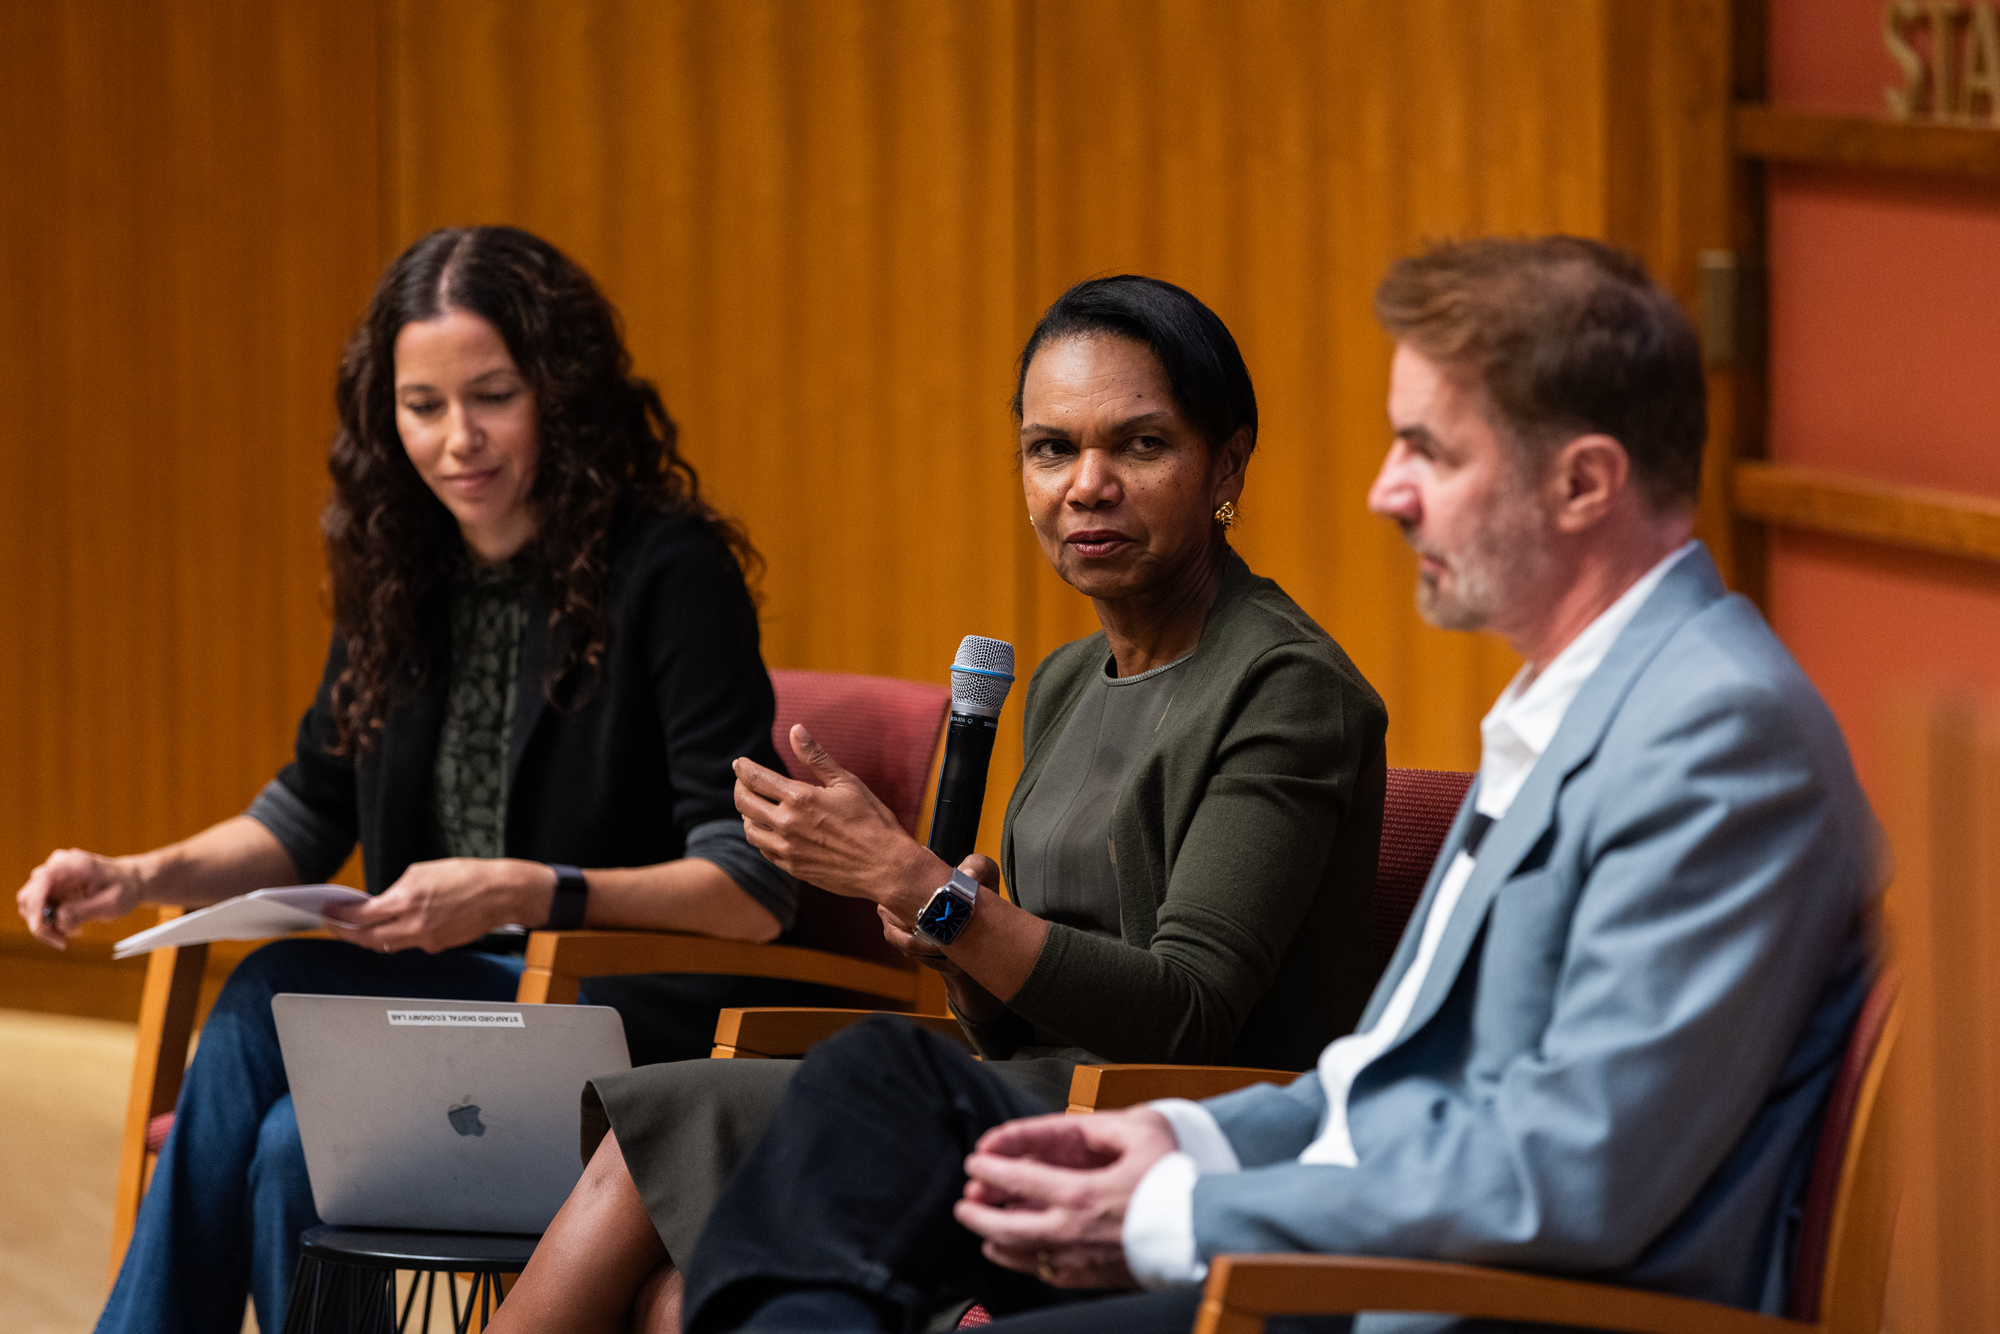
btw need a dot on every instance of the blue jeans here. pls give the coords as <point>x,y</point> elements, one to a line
<point>229,1195</point>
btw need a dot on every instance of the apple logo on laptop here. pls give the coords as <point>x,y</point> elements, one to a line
<point>464,1118</point>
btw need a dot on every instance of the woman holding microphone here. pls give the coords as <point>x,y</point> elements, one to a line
<point>544,658</point>
<point>1191,852</point>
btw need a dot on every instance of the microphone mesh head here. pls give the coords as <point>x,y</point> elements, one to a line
<point>981,675</point>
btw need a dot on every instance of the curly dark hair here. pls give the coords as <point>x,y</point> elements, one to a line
<point>607,455</point>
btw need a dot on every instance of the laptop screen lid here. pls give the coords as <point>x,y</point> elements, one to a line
<point>456,1115</point>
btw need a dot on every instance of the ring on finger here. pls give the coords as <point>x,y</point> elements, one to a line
<point>1043,1269</point>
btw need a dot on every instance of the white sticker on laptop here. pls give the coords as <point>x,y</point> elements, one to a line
<point>457,1018</point>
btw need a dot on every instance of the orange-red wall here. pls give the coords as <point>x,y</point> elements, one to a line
<point>1885,333</point>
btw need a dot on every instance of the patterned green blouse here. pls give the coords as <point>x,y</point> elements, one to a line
<point>469,786</point>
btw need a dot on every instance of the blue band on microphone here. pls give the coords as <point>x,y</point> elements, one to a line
<point>981,671</point>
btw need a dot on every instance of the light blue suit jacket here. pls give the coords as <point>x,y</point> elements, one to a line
<point>1617,1061</point>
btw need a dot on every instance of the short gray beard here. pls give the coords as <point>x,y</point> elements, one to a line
<point>1503,559</point>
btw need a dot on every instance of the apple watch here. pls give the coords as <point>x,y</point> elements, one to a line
<point>566,909</point>
<point>946,915</point>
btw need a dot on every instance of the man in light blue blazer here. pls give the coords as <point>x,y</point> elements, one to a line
<point>1604,1041</point>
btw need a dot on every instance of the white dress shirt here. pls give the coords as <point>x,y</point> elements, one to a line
<point>1159,1222</point>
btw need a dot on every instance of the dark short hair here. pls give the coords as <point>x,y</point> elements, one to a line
<point>1566,336</point>
<point>1205,372</point>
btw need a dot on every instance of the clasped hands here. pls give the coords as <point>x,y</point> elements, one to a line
<point>1049,1193</point>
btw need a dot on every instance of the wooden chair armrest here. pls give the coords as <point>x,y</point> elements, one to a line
<point>1243,1290</point>
<point>1100,1088</point>
<point>558,960</point>
<point>167,1006</point>
<point>789,1030</point>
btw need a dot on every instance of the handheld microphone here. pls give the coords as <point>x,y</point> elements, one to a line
<point>981,675</point>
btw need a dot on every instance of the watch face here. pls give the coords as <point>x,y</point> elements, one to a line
<point>944,917</point>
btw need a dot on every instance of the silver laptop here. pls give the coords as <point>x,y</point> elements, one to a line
<point>457,1115</point>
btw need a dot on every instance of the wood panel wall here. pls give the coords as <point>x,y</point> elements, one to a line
<point>188,226</point>
<point>1944,927</point>
<point>1275,158</point>
<point>829,225</point>
<point>807,215</point>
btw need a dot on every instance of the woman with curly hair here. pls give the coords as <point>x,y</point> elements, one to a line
<point>544,658</point>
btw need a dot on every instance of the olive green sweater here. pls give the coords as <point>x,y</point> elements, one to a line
<point>1245,839</point>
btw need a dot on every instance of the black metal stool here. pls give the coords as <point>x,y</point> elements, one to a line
<point>346,1282</point>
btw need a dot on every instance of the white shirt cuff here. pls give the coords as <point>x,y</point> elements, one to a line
<point>1159,1225</point>
<point>1199,1134</point>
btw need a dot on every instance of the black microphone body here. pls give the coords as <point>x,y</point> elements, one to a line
<point>961,792</point>
<point>981,676</point>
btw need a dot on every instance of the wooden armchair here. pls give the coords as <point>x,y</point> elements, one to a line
<point>1837,1281</point>
<point>886,731</point>
<point>1418,810</point>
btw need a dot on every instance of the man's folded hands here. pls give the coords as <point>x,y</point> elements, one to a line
<point>1049,1193</point>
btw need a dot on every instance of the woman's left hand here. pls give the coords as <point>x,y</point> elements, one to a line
<point>969,999</point>
<point>839,837</point>
<point>436,905</point>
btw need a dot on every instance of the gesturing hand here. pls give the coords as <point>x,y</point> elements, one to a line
<point>436,905</point>
<point>73,887</point>
<point>839,836</point>
<point>1049,1193</point>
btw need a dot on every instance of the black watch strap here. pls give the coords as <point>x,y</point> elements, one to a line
<point>566,910</point>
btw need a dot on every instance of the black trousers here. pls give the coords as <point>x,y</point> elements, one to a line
<point>853,1186</point>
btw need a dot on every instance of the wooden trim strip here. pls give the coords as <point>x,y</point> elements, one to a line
<point>1776,134</point>
<point>166,1024</point>
<point>555,961</point>
<point>1244,1289</point>
<point>1899,516</point>
<point>1100,1088</point>
<point>785,1030</point>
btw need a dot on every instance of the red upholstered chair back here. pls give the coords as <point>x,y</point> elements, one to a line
<point>1417,814</point>
<point>885,732</point>
<point>1849,1206</point>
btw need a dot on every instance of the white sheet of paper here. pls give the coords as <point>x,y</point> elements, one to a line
<point>252,916</point>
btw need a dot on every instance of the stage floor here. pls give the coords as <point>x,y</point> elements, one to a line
<point>62,1103</point>
<point>63,1083</point>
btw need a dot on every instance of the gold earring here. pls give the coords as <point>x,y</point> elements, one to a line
<point>1225,514</point>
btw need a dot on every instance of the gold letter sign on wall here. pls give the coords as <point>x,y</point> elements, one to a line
<point>1955,75</point>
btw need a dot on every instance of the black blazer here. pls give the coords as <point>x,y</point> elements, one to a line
<point>618,781</point>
